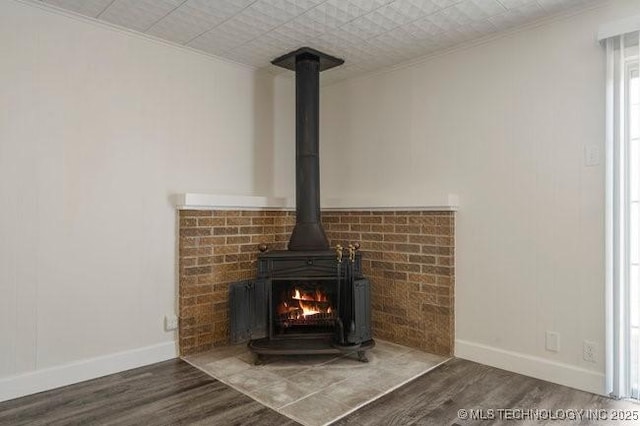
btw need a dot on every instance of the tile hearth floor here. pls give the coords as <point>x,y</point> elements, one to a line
<point>316,390</point>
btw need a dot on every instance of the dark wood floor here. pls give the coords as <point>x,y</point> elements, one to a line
<point>174,393</point>
<point>167,393</point>
<point>436,397</point>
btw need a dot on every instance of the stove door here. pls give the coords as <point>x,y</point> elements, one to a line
<point>360,329</point>
<point>248,313</point>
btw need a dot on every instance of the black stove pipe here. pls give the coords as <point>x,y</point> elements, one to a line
<point>308,234</point>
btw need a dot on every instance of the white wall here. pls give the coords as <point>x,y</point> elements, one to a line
<point>98,127</point>
<point>504,125</point>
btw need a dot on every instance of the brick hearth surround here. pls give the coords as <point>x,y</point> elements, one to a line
<point>407,255</point>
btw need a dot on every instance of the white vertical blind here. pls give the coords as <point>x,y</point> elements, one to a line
<point>623,216</point>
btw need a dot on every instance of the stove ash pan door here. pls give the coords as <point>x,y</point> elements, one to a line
<point>248,310</point>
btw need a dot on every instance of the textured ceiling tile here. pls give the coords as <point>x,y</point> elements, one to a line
<point>306,27</point>
<point>401,45</point>
<point>244,28</point>
<point>195,17</point>
<point>216,41</point>
<point>553,6</point>
<point>334,13</point>
<point>423,29</point>
<point>274,45</point>
<point>388,17</point>
<point>224,8</point>
<point>297,30</point>
<point>399,38</point>
<point>258,52</point>
<point>370,25</point>
<point>288,38</point>
<point>479,9</point>
<point>84,7</point>
<point>514,4</point>
<point>138,14</point>
<point>263,19</point>
<point>284,10</point>
<point>238,30</point>
<point>182,26</point>
<point>415,8</point>
<point>468,26</point>
<point>449,20</point>
<point>445,3</point>
<point>455,15</point>
<point>368,34</point>
<point>341,41</point>
<point>517,16</point>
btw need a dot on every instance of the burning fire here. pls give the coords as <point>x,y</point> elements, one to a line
<point>303,303</point>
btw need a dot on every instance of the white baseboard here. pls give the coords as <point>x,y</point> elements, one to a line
<point>540,368</point>
<point>79,371</point>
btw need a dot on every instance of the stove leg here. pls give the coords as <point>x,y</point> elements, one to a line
<point>362,356</point>
<point>258,359</point>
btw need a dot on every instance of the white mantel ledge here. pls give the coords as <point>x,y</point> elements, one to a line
<point>449,202</point>
<point>193,201</point>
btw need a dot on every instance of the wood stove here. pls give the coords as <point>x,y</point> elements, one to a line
<point>304,303</point>
<point>310,299</point>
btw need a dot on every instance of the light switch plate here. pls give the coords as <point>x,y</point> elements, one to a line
<point>552,341</point>
<point>591,155</point>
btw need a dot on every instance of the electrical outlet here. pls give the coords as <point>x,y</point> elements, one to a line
<point>589,351</point>
<point>170,322</point>
<point>552,341</point>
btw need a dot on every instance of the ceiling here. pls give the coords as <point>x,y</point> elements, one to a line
<point>368,34</point>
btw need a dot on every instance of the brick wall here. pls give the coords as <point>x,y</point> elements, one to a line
<point>217,248</point>
<point>409,257</point>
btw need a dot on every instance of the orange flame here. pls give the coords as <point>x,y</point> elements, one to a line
<point>308,308</point>
<point>305,303</point>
